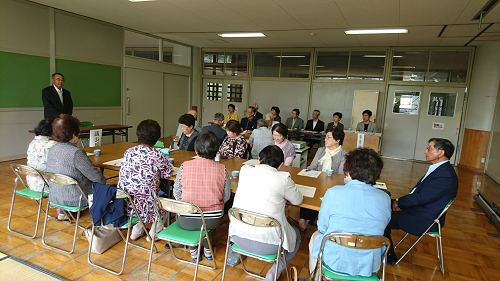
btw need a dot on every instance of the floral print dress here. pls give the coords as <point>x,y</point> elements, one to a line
<point>38,150</point>
<point>140,172</point>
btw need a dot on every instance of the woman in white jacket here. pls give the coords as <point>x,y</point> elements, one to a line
<point>265,190</point>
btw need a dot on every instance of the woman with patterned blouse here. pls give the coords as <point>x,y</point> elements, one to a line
<point>140,172</point>
<point>280,132</point>
<point>234,145</point>
<point>38,150</point>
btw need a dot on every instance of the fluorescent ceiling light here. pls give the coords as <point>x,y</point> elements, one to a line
<point>309,65</point>
<point>140,0</point>
<point>379,56</point>
<point>254,34</point>
<point>376,31</point>
<point>289,56</point>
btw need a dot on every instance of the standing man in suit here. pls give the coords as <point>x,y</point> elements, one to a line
<point>366,125</point>
<point>216,127</point>
<point>415,212</point>
<point>295,122</point>
<point>56,100</point>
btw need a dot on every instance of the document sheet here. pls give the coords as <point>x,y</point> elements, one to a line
<point>117,162</point>
<point>307,191</point>
<point>309,173</point>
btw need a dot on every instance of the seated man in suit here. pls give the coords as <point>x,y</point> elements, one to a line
<point>257,114</point>
<point>315,125</point>
<point>415,212</point>
<point>366,125</point>
<point>249,123</point>
<point>337,116</point>
<point>295,122</point>
<point>56,100</point>
<point>216,127</point>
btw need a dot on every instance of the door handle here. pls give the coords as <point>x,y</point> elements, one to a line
<point>456,133</point>
<point>128,106</point>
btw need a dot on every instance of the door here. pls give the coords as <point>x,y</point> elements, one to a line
<point>143,98</point>
<point>176,101</point>
<point>363,100</point>
<point>401,121</point>
<point>440,117</point>
<point>219,93</point>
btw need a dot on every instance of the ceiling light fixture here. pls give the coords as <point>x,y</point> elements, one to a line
<point>249,34</point>
<point>379,56</point>
<point>375,31</point>
<point>291,56</point>
<point>141,0</point>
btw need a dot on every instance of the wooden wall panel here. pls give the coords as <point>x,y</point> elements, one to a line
<point>474,147</point>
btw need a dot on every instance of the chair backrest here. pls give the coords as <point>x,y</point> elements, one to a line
<point>24,170</point>
<point>85,124</point>
<point>445,208</point>
<point>174,206</point>
<point>254,219</point>
<point>64,180</point>
<point>173,139</point>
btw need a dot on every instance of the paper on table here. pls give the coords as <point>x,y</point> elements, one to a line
<point>196,156</point>
<point>90,154</point>
<point>380,185</point>
<point>117,162</point>
<point>252,162</point>
<point>175,170</point>
<point>307,191</point>
<point>309,173</point>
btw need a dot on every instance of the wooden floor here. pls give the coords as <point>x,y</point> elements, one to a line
<point>469,253</point>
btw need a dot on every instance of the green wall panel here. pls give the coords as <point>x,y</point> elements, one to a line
<point>90,84</point>
<point>22,78</point>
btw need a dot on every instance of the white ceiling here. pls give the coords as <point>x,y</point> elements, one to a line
<point>296,23</point>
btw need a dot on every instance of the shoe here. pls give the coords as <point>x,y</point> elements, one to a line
<point>62,217</point>
<point>195,255</point>
<point>208,254</point>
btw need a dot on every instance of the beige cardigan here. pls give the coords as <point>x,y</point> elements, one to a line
<point>265,190</point>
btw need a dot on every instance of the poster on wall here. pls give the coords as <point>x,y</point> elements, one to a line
<point>438,126</point>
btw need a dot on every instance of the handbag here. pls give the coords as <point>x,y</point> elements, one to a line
<point>104,237</point>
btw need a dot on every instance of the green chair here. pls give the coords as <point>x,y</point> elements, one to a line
<point>85,136</point>
<point>175,234</point>
<point>64,180</point>
<point>256,220</point>
<point>20,171</point>
<point>436,234</point>
<point>354,241</point>
<point>132,221</point>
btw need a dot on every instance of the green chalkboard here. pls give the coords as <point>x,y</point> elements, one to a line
<point>22,78</point>
<point>90,84</point>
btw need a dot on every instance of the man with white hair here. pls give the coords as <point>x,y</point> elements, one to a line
<point>269,118</point>
<point>196,125</point>
<point>218,121</point>
<point>257,115</point>
<point>260,138</point>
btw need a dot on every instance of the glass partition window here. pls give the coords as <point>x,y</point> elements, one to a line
<point>214,91</point>
<point>236,64</point>
<point>409,65</point>
<point>406,102</point>
<point>234,92</point>
<point>266,64</point>
<point>332,65</point>
<point>295,65</point>
<point>367,65</point>
<point>213,63</point>
<point>448,66</point>
<point>442,104</point>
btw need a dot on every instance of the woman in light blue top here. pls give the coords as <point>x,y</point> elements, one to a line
<point>355,207</point>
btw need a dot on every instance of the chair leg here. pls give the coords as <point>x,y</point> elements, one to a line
<point>286,265</point>
<point>440,257</point>
<point>74,235</point>
<point>399,242</point>
<point>37,217</point>
<point>225,259</point>
<point>409,249</point>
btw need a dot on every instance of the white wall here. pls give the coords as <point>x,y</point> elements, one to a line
<point>484,87</point>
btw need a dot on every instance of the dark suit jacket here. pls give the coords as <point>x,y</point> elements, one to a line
<point>252,125</point>
<point>320,126</point>
<point>330,126</point>
<point>258,116</point>
<point>428,199</point>
<point>217,130</point>
<point>52,105</point>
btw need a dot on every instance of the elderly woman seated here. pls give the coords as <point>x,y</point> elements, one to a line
<point>38,151</point>
<point>234,145</point>
<point>67,159</point>
<point>330,157</point>
<point>356,207</point>
<point>189,134</point>
<point>140,172</point>
<point>206,184</point>
<point>280,132</point>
